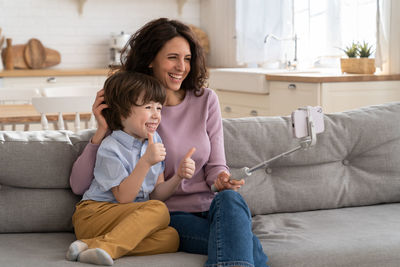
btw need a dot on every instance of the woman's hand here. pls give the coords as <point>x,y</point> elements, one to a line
<point>224,182</point>
<point>102,126</point>
<point>187,166</point>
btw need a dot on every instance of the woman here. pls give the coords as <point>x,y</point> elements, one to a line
<point>217,225</point>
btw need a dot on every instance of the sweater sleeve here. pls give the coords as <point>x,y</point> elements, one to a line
<point>82,171</point>
<point>217,162</point>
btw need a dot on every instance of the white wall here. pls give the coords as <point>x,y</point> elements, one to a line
<point>83,40</point>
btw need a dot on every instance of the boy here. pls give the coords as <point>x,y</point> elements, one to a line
<point>116,216</point>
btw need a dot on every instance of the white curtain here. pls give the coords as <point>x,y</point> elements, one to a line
<point>321,26</point>
<point>255,19</point>
<point>387,54</point>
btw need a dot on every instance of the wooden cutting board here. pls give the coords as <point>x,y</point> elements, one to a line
<point>34,54</point>
<point>18,53</point>
<point>53,58</point>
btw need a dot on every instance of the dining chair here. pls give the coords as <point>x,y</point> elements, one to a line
<point>62,105</point>
<point>14,96</point>
<point>77,90</point>
<point>81,93</point>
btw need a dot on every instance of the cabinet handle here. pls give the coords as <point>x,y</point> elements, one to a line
<point>292,86</point>
<point>254,113</point>
<point>51,80</point>
<point>228,109</point>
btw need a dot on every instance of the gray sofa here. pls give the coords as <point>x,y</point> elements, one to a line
<point>336,204</point>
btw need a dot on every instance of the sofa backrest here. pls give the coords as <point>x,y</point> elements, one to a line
<point>35,195</point>
<point>355,162</point>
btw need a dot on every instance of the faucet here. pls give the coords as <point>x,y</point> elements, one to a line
<point>291,65</point>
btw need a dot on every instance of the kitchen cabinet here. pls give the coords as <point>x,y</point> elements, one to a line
<point>237,104</point>
<point>349,95</point>
<point>286,97</point>
<point>285,92</point>
<point>29,79</point>
<point>331,96</point>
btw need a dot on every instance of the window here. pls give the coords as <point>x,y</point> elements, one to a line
<point>324,26</point>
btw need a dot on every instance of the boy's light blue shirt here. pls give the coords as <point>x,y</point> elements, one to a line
<point>116,158</point>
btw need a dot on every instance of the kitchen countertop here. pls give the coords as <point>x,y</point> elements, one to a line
<point>295,76</point>
<point>53,72</point>
<point>327,77</point>
<point>312,75</point>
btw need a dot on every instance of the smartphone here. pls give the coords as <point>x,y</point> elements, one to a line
<point>300,121</point>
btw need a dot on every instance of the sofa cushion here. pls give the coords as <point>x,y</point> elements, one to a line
<point>355,162</point>
<point>49,249</point>
<point>39,159</point>
<point>347,237</point>
<point>36,210</point>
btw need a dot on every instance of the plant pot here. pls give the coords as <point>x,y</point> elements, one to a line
<point>358,65</point>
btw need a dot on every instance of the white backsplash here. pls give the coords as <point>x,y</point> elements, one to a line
<point>83,39</point>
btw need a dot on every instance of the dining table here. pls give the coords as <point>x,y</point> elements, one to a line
<point>13,114</point>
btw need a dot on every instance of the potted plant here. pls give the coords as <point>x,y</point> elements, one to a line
<point>358,65</point>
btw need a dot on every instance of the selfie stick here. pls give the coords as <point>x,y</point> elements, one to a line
<point>305,143</point>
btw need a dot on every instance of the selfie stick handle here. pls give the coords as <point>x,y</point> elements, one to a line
<point>249,171</point>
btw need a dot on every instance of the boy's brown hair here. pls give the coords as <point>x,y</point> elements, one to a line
<point>123,89</point>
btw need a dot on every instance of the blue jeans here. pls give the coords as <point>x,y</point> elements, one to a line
<point>223,233</point>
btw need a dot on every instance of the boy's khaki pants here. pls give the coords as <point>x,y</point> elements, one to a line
<point>137,228</point>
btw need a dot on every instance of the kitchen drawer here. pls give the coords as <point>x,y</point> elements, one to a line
<point>243,99</point>
<point>236,104</point>
<point>288,96</point>
<point>237,111</point>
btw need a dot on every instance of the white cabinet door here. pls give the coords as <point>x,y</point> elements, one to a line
<point>343,96</point>
<point>286,97</point>
<point>235,104</point>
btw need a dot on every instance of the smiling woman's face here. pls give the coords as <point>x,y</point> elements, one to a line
<point>172,63</point>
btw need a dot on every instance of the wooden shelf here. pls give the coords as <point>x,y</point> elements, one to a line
<point>53,72</point>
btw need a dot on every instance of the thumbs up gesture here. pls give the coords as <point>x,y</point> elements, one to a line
<point>187,166</point>
<point>155,152</point>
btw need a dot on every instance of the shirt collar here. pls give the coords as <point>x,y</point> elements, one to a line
<point>126,140</point>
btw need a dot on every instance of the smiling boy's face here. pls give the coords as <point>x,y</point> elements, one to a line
<point>144,119</point>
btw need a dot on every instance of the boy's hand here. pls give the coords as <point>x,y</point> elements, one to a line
<point>155,152</point>
<point>187,165</point>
